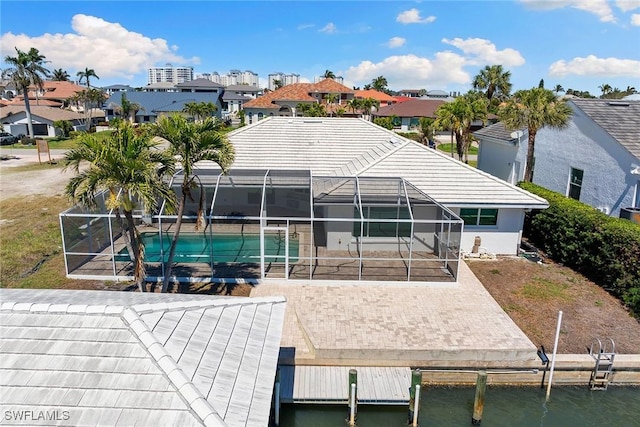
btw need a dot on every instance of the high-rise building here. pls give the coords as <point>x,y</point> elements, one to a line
<point>285,79</point>
<point>169,74</point>
<point>234,77</point>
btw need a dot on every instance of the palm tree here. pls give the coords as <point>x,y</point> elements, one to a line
<point>534,109</point>
<point>328,74</point>
<point>355,104</point>
<point>606,89</point>
<point>26,69</point>
<point>85,75</point>
<point>427,127</point>
<point>89,99</point>
<point>380,84</point>
<point>130,168</point>
<point>60,75</point>
<point>331,99</point>
<point>189,144</point>
<point>458,116</point>
<point>277,84</point>
<point>495,80</point>
<point>368,104</point>
<point>558,89</point>
<point>631,90</point>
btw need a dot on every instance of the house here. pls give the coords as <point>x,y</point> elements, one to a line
<point>14,119</point>
<point>321,199</point>
<point>124,358</point>
<point>235,96</point>
<point>381,97</point>
<point>200,86</point>
<point>596,159</point>
<point>52,94</point>
<point>110,90</point>
<point>409,112</point>
<point>411,93</point>
<point>156,104</point>
<point>284,101</point>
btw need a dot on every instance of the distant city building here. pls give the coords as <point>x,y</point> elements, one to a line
<point>232,78</point>
<point>338,79</point>
<point>169,74</point>
<point>285,79</point>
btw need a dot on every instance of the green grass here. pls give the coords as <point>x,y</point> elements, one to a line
<point>447,149</point>
<point>62,143</point>
<point>544,290</point>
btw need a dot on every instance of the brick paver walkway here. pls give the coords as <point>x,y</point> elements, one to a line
<point>398,324</point>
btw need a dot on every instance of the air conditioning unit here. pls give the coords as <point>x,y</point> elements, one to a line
<point>632,214</point>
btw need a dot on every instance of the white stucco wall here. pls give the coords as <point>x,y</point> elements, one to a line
<point>501,239</point>
<point>607,183</point>
<point>500,160</point>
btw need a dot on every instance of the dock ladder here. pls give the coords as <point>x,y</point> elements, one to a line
<point>603,355</point>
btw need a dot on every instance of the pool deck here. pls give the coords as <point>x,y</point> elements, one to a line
<point>450,325</point>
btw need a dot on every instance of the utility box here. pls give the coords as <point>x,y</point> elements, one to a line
<point>632,214</point>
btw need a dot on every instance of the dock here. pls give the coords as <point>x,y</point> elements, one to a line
<point>329,384</point>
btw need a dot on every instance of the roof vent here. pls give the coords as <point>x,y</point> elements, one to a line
<point>618,103</point>
<point>395,141</point>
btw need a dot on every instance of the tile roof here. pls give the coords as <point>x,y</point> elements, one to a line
<point>371,93</point>
<point>619,118</point>
<point>411,108</point>
<point>57,90</point>
<point>349,146</point>
<point>49,113</point>
<point>123,358</point>
<point>297,92</point>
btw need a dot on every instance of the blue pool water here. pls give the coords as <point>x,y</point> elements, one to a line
<point>226,248</point>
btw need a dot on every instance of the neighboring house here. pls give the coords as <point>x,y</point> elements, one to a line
<point>283,102</point>
<point>14,119</point>
<point>409,112</point>
<point>110,90</point>
<point>235,96</point>
<point>381,97</point>
<point>200,86</point>
<point>125,358</point>
<point>596,159</point>
<point>52,93</point>
<point>492,209</point>
<point>439,94</point>
<point>411,93</point>
<point>160,87</point>
<point>156,104</point>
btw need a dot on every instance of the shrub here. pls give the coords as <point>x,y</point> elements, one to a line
<point>604,249</point>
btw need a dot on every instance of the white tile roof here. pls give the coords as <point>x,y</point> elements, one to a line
<point>348,147</point>
<point>116,358</point>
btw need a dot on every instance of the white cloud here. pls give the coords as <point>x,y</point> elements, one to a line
<point>628,5</point>
<point>599,8</point>
<point>635,19</point>
<point>594,66</point>
<point>305,26</point>
<point>396,42</point>
<point>107,47</point>
<point>483,52</point>
<point>412,16</point>
<point>330,28</point>
<point>410,71</point>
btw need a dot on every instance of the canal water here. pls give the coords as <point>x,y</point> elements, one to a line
<point>504,407</point>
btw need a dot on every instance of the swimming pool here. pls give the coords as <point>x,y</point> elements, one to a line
<point>224,248</point>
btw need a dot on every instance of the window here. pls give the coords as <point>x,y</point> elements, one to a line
<point>477,217</point>
<point>383,229</point>
<point>575,184</point>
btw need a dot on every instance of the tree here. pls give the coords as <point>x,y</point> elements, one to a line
<point>331,99</point>
<point>190,143</point>
<point>127,109</point>
<point>458,116</point>
<point>495,80</point>
<point>85,75</point>
<point>380,84</point>
<point>26,69</point>
<point>368,104</point>
<point>558,89</point>
<point>534,109</point>
<point>89,99</point>
<point>606,89</point>
<point>311,110</point>
<point>131,168</point>
<point>355,104</point>
<point>541,84</point>
<point>199,110</point>
<point>328,74</point>
<point>427,128</point>
<point>386,122</point>
<point>64,126</point>
<point>631,90</point>
<point>60,75</point>
<point>277,84</point>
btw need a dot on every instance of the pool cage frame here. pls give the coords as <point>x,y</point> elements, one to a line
<point>301,226</point>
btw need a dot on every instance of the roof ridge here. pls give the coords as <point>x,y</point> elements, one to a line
<point>189,393</point>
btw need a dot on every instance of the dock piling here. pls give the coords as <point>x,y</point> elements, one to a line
<point>478,402</point>
<point>353,396</point>
<point>414,402</point>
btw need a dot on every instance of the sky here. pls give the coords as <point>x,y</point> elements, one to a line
<point>433,45</point>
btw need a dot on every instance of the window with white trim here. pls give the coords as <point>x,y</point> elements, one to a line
<point>382,229</point>
<point>479,217</point>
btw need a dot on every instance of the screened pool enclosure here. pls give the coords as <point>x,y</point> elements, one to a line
<point>277,224</point>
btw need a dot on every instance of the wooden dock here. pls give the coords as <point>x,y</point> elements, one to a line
<point>329,384</point>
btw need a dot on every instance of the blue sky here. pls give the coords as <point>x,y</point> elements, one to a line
<point>578,44</point>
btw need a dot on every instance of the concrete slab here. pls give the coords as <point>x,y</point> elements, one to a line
<point>398,325</point>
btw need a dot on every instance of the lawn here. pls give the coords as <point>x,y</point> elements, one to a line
<point>473,150</point>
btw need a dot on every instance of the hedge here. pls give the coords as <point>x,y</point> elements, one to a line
<point>602,248</point>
